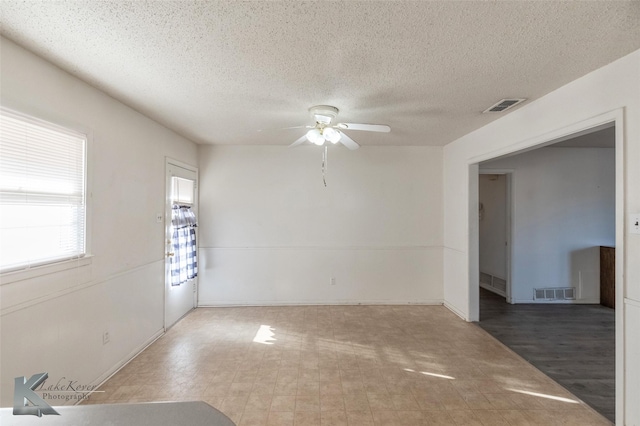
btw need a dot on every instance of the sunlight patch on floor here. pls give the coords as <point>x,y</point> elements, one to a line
<point>543,395</point>
<point>440,376</point>
<point>265,335</point>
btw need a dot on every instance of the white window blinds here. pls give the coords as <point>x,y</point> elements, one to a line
<point>182,190</point>
<point>42,192</point>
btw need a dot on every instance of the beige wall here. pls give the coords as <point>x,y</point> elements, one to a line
<point>271,233</point>
<point>53,320</point>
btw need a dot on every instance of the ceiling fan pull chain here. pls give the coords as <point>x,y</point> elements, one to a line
<point>325,157</point>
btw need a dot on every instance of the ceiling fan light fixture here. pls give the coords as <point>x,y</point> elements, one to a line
<point>331,135</point>
<point>327,130</point>
<point>315,136</point>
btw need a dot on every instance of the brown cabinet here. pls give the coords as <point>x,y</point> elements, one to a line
<point>608,277</point>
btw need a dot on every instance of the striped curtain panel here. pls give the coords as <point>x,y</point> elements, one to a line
<point>184,265</point>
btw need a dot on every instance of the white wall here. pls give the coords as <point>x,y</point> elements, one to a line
<point>54,322</point>
<point>563,210</point>
<point>612,92</point>
<point>271,233</point>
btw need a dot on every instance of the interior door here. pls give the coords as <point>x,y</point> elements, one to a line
<point>181,189</point>
<point>494,232</point>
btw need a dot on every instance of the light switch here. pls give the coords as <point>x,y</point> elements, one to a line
<point>634,223</point>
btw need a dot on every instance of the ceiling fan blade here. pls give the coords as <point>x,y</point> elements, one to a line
<point>366,127</point>
<point>299,141</point>
<point>348,142</point>
<point>285,128</point>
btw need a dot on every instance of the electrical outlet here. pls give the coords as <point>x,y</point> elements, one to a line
<point>159,217</point>
<point>105,338</point>
<point>634,223</point>
<point>333,281</point>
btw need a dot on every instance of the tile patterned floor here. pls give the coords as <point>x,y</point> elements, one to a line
<point>344,365</point>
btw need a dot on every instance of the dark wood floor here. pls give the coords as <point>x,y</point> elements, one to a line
<point>572,344</point>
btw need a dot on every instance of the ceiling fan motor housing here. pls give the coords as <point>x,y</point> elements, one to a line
<point>323,113</point>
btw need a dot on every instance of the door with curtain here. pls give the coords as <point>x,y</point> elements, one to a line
<point>181,260</point>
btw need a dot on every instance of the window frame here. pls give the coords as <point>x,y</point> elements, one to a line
<point>44,267</point>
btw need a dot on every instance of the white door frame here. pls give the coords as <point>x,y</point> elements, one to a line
<point>169,164</point>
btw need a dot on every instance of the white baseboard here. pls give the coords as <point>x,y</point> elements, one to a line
<point>561,302</point>
<point>455,310</point>
<point>232,303</point>
<point>124,361</point>
<point>493,290</point>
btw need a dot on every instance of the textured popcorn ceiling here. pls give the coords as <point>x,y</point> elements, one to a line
<point>219,71</point>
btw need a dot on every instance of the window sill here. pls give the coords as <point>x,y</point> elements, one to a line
<point>51,268</point>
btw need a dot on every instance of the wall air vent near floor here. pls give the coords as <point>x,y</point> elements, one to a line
<point>558,293</point>
<point>493,283</point>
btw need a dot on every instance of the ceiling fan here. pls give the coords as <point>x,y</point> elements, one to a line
<point>325,130</point>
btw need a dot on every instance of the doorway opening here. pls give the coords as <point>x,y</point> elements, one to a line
<point>561,210</point>
<point>181,212</point>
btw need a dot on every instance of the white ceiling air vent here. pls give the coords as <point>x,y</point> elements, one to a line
<point>503,105</point>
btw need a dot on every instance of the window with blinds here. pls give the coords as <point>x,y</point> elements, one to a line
<point>182,190</point>
<point>42,192</point>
